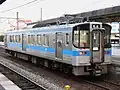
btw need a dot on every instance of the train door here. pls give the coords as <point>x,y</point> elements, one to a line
<point>97,46</point>
<point>24,42</point>
<point>59,45</point>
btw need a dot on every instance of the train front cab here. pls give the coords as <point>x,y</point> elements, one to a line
<point>91,49</point>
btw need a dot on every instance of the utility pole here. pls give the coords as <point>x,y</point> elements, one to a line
<point>119,32</point>
<point>40,14</point>
<point>17,21</point>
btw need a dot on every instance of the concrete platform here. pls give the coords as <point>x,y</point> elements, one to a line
<point>6,84</point>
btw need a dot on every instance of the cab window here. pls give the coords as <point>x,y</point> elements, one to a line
<point>84,38</point>
<point>81,38</point>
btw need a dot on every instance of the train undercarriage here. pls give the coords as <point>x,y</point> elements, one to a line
<point>93,70</point>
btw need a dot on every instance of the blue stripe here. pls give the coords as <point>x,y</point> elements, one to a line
<point>52,50</point>
<point>108,52</point>
<point>14,45</point>
<point>42,49</point>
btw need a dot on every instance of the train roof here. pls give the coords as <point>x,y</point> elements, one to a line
<point>44,28</point>
<point>53,27</point>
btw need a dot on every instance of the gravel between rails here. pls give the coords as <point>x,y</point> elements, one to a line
<point>17,79</point>
<point>46,84</point>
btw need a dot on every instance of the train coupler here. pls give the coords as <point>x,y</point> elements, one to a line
<point>96,72</point>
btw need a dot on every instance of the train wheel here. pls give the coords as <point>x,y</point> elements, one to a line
<point>37,61</point>
<point>49,65</point>
<point>53,66</point>
<point>67,69</point>
<point>12,53</point>
<point>61,67</point>
<point>16,54</point>
<point>29,58</point>
<point>41,63</point>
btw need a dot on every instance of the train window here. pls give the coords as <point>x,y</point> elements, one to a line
<point>96,39</point>
<point>39,39</point>
<point>16,38</point>
<point>107,38</point>
<point>43,38</point>
<point>81,38</point>
<point>32,39</point>
<point>84,38</point>
<point>28,39</point>
<point>107,35</point>
<point>13,38</point>
<point>67,39</point>
<point>76,38</point>
<point>46,39</point>
<point>10,38</point>
<point>38,42</point>
<point>19,38</point>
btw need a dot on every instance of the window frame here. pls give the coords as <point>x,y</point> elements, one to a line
<point>79,41</point>
<point>79,28</point>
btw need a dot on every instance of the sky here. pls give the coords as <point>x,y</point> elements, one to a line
<point>50,9</point>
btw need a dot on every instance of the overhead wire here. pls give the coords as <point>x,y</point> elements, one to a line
<point>19,6</point>
<point>3,21</point>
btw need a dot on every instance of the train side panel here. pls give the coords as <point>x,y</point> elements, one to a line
<point>42,50</point>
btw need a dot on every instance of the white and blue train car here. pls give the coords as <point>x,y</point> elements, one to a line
<point>81,48</point>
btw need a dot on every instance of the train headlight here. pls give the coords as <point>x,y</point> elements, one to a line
<point>82,52</point>
<point>96,26</point>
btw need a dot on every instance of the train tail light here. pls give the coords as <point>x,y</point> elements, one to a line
<point>106,52</point>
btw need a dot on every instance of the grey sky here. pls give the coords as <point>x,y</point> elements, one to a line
<point>52,8</point>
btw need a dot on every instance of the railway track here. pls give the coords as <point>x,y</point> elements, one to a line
<point>59,79</point>
<point>111,82</point>
<point>98,85</point>
<point>19,80</point>
<point>105,84</point>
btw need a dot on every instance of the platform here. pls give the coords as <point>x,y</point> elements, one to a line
<point>6,84</point>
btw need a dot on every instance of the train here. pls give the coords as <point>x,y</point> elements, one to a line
<point>80,48</point>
